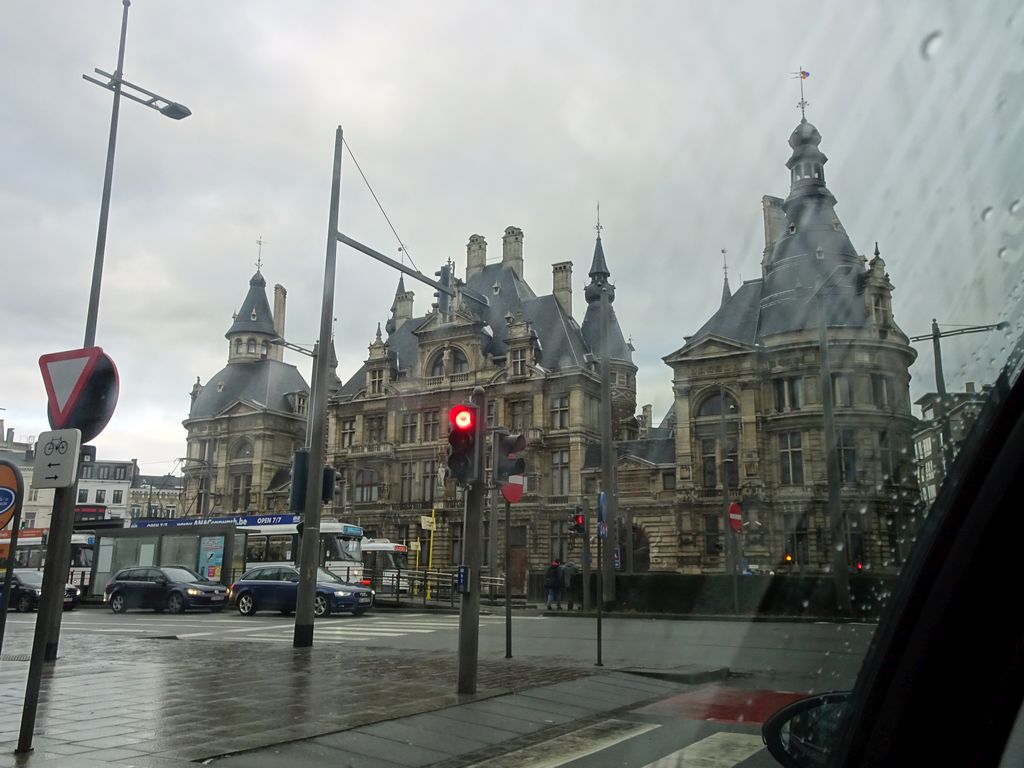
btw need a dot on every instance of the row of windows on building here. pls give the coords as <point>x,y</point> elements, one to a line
<point>428,426</point>
<point>153,511</point>
<point>250,347</point>
<point>100,496</point>
<point>104,472</point>
<point>791,458</point>
<point>789,392</point>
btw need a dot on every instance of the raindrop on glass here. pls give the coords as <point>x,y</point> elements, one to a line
<point>806,603</point>
<point>986,214</point>
<point>931,45</point>
<point>1015,207</point>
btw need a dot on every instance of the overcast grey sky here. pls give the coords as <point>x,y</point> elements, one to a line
<point>469,117</point>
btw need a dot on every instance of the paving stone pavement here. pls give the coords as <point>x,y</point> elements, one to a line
<point>154,703</point>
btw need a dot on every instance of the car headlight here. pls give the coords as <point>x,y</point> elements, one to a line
<point>342,593</point>
<point>194,592</point>
<point>77,591</point>
<point>373,593</point>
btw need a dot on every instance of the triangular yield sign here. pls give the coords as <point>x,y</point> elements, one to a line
<point>65,375</point>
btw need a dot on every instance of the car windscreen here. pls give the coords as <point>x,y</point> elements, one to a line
<point>31,578</point>
<point>181,575</point>
<point>325,575</point>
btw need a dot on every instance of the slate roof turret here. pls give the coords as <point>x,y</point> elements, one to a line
<point>255,315</point>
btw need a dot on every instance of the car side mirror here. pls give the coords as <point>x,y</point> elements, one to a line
<point>161,580</point>
<point>804,734</point>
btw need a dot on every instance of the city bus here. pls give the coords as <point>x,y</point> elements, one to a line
<point>274,540</point>
<point>383,561</point>
<point>31,552</point>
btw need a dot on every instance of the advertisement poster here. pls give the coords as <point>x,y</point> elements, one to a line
<point>211,556</point>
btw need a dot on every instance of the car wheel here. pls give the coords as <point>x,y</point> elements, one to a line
<point>246,605</point>
<point>320,607</point>
<point>118,603</point>
<point>175,603</point>
<point>24,604</point>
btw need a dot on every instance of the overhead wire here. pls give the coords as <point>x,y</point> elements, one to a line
<point>366,181</point>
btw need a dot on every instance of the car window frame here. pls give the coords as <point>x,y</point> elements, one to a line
<point>897,713</point>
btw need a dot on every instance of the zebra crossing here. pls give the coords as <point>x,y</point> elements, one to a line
<point>342,629</point>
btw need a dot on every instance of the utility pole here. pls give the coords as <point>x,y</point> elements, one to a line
<point>941,411</point>
<point>469,616</point>
<point>607,591</point>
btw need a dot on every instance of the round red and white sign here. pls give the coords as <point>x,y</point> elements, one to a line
<point>735,516</point>
<point>513,489</point>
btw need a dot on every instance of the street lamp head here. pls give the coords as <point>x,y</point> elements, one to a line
<point>175,111</point>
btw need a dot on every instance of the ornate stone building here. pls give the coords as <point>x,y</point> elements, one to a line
<point>388,423</point>
<point>245,423</point>
<point>749,380</point>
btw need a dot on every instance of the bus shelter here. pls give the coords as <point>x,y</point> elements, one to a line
<point>214,550</point>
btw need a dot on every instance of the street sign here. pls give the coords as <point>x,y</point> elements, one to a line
<point>602,514</point>
<point>426,523</point>
<point>56,464</point>
<point>602,530</point>
<point>735,517</point>
<point>81,387</point>
<point>512,490</point>
<point>11,490</point>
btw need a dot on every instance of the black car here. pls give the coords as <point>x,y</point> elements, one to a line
<point>27,586</point>
<point>174,588</point>
<point>276,588</point>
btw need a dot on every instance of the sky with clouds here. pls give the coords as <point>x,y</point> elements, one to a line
<point>468,117</point>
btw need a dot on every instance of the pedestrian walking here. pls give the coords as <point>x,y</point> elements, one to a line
<point>565,574</point>
<point>553,584</point>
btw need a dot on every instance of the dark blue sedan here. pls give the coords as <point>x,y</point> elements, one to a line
<point>275,588</point>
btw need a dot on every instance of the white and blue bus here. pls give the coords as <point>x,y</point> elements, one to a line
<point>274,540</point>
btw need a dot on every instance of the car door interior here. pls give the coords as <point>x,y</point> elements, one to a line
<point>944,677</point>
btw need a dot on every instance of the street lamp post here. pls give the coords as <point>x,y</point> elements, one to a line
<point>731,554</point>
<point>117,84</point>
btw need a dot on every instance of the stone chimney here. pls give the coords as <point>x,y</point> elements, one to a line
<point>561,284</point>
<point>512,249</point>
<point>969,388</point>
<point>280,297</point>
<point>648,416</point>
<point>10,433</point>
<point>476,255</point>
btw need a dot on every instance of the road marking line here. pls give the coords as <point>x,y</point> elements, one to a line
<point>719,750</point>
<point>570,746</point>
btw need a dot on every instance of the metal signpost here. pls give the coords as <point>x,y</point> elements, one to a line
<point>602,535</point>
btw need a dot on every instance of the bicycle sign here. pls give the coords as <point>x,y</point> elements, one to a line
<point>57,454</point>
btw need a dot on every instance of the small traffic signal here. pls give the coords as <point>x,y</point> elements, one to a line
<point>463,430</point>
<point>579,522</point>
<point>507,457</point>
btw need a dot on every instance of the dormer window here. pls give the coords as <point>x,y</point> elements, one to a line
<point>449,361</point>
<point>518,362</point>
<point>377,382</point>
<point>792,228</point>
<point>253,315</point>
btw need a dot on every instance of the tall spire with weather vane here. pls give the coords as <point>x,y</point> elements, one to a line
<point>726,293</point>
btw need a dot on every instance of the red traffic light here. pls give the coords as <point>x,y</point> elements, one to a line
<point>462,418</point>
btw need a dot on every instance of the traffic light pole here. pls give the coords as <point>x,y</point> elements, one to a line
<point>586,556</point>
<point>469,615</point>
<point>508,582</point>
<point>309,550</point>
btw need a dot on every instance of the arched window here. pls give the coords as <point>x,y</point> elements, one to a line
<point>264,348</point>
<point>451,360</point>
<point>252,346</point>
<point>242,450</point>
<point>238,346</point>
<point>712,406</point>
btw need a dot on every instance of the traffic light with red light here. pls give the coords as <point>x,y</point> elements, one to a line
<point>578,522</point>
<point>508,458</point>
<point>463,436</point>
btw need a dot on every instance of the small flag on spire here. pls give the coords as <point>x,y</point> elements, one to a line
<point>804,74</point>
